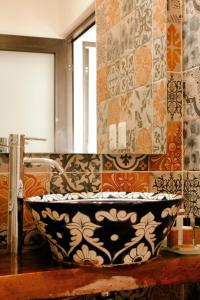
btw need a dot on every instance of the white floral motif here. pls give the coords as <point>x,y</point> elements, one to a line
<point>172,211</point>
<point>54,215</point>
<point>87,256</point>
<point>82,228</point>
<point>139,254</point>
<point>56,249</point>
<point>146,228</point>
<point>114,215</point>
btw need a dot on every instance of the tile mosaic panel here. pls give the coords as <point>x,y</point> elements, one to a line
<point>191,192</point>
<point>143,22</point>
<point>167,182</point>
<point>192,145</point>
<point>78,162</point>
<point>101,21</point>
<point>191,37</point>
<point>174,97</point>
<point>191,84</point>
<point>125,162</point>
<point>172,161</point>
<point>135,43</point>
<point>75,182</point>
<point>125,182</point>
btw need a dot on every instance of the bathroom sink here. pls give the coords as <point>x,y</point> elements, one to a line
<point>104,229</point>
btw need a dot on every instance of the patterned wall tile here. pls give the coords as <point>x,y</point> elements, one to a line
<point>143,22</point>
<point>191,136</point>
<point>127,29</point>
<point>191,84</point>
<point>114,110</point>
<point>143,141</point>
<point>35,185</point>
<point>159,103</point>
<point>113,44</point>
<point>113,12</point>
<point>143,107</point>
<point>127,109</point>
<point>113,79</point>
<point>3,199</point>
<point>143,65</point>
<point>174,35</point>
<point>174,96</point>
<point>102,88</point>
<point>75,182</point>
<point>159,58</point>
<point>159,17</point>
<point>102,127</point>
<point>4,159</point>
<point>127,74</point>
<point>174,47</point>
<point>78,162</point>
<point>191,192</point>
<point>191,37</point>
<point>124,162</point>
<point>160,139</point>
<point>101,52</point>
<point>125,182</point>
<point>167,182</point>
<point>101,12</point>
<point>127,7</point>
<point>172,161</point>
<point>32,168</point>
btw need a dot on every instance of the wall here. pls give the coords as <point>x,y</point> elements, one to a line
<point>131,76</point>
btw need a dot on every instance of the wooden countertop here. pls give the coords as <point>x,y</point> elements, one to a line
<point>36,276</point>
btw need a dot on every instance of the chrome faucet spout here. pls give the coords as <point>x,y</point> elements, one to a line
<point>44,161</point>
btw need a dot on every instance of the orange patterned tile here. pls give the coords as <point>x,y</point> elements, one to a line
<point>143,141</point>
<point>125,182</point>
<point>173,48</point>
<point>143,65</point>
<point>102,89</point>
<point>113,12</point>
<point>159,102</point>
<point>159,17</point>
<point>35,185</point>
<point>3,199</point>
<point>172,160</point>
<point>114,110</point>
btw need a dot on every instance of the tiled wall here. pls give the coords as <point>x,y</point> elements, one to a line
<point>177,171</point>
<point>131,75</point>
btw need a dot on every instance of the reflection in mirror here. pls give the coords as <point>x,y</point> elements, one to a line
<point>84,87</point>
<point>27,97</point>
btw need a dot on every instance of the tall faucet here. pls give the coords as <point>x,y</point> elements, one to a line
<point>16,188</point>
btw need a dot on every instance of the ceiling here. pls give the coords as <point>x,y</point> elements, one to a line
<point>43,18</point>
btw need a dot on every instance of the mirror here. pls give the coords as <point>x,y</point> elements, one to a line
<point>32,104</point>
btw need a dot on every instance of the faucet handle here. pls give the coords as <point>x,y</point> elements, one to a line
<point>28,138</point>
